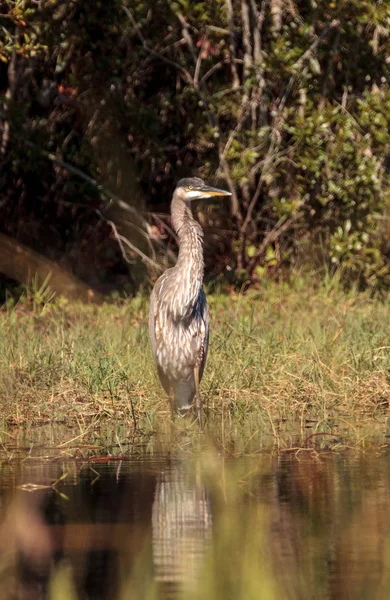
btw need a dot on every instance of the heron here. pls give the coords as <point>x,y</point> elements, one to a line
<point>178,316</point>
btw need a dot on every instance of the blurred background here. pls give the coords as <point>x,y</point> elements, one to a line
<point>105,105</point>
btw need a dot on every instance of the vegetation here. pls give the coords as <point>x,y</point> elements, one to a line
<point>282,360</point>
<point>103,107</point>
<point>106,106</point>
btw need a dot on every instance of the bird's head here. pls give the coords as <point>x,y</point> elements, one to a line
<point>194,188</point>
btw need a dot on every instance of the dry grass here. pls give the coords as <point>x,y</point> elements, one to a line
<point>281,359</point>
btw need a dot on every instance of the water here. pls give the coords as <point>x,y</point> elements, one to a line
<point>195,525</point>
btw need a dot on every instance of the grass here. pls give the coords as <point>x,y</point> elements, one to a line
<point>285,360</point>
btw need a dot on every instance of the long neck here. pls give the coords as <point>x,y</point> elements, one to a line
<point>190,264</point>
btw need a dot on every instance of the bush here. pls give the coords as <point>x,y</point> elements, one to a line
<point>288,103</point>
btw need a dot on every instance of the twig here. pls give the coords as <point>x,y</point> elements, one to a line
<point>278,157</point>
<point>83,434</point>
<point>237,129</point>
<point>227,91</point>
<point>275,137</point>
<point>281,226</point>
<point>199,63</point>
<point>122,242</point>
<point>210,116</point>
<point>9,95</point>
<point>217,29</point>
<point>187,37</point>
<point>351,117</point>
<point>232,45</point>
<point>236,211</point>
<point>217,66</point>
<point>267,161</point>
<point>172,63</point>
<point>76,171</point>
<point>334,24</point>
<point>176,65</point>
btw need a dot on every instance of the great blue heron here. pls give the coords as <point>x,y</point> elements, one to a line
<point>178,315</point>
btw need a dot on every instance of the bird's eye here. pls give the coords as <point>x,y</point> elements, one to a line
<point>190,187</point>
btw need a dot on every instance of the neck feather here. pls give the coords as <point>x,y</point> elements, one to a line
<point>190,265</point>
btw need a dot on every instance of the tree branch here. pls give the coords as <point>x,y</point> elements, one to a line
<point>169,62</point>
<point>281,227</point>
<point>232,45</point>
<point>122,242</point>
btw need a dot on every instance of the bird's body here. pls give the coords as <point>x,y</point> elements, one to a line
<point>178,316</point>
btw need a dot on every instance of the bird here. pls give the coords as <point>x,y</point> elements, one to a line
<point>179,320</point>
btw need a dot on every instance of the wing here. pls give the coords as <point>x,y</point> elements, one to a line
<point>204,329</point>
<point>156,327</point>
<point>153,312</point>
<point>188,342</point>
<point>152,316</point>
<point>156,314</point>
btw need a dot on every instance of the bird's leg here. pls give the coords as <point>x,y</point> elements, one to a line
<point>198,400</point>
<point>171,402</point>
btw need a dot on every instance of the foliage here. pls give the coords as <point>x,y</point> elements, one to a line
<point>289,103</point>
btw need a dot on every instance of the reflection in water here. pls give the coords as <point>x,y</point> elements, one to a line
<point>25,547</point>
<point>181,522</point>
<point>317,525</point>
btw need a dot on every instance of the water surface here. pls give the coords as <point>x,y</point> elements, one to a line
<point>195,524</point>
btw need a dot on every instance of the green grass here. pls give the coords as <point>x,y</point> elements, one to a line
<point>281,360</point>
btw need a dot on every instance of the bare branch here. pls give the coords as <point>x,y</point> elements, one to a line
<point>353,119</point>
<point>199,63</point>
<point>122,242</point>
<point>280,228</point>
<point>295,68</point>
<point>275,135</point>
<point>275,141</point>
<point>217,29</point>
<point>232,45</point>
<point>102,189</point>
<point>9,95</point>
<point>276,15</point>
<point>246,37</point>
<point>217,66</point>
<point>236,211</point>
<point>259,19</point>
<point>187,37</point>
<point>210,116</point>
<point>172,63</point>
<point>237,129</point>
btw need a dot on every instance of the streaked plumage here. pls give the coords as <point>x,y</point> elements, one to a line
<point>178,317</point>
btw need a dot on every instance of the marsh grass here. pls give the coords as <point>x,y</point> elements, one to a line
<point>287,357</point>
